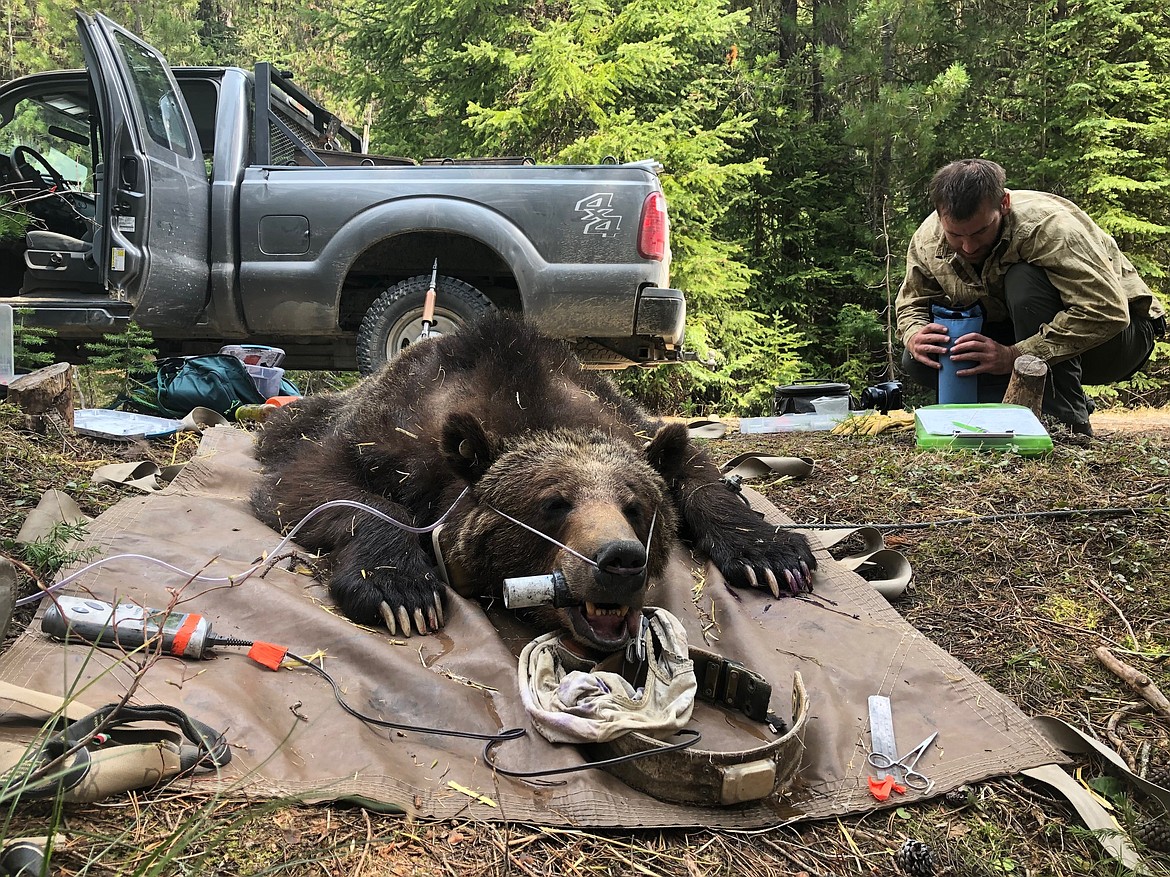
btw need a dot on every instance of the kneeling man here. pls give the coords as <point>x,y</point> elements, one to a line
<point>1050,281</point>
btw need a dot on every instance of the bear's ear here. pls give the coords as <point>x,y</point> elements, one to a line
<point>468,450</point>
<point>668,451</point>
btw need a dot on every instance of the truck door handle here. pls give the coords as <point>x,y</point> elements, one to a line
<point>130,172</point>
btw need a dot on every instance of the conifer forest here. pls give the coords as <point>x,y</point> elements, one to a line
<point>797,136</point>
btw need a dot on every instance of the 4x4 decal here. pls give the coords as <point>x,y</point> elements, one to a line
<point>597,213</point>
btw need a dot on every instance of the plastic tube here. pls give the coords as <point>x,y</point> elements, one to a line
<point>546,590</point>
<point>952,389</point>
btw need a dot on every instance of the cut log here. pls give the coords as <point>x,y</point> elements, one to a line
<point>45,396</point>
<point>1026,386</point>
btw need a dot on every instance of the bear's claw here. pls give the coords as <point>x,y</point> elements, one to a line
<point>773,585</point>
<point>783,568</point>
<point>425,620</point>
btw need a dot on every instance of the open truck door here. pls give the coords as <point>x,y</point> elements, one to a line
<point>153,195</point>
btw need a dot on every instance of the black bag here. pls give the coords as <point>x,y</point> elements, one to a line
<point>797,398</point>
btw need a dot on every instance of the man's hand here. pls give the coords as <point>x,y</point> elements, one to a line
<point>928,344</point>
<point>990,357</point>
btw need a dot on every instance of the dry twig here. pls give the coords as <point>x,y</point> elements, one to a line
<point>1135,679</point>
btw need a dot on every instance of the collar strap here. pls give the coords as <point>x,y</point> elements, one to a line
<point>730,684</point>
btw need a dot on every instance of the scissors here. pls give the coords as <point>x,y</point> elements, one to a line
<point>905,765</point>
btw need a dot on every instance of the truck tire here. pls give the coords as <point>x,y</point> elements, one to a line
<point>394,320</point>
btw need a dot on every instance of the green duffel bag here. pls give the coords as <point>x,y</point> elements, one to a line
<point>183,383</point>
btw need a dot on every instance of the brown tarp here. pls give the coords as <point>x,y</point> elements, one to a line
<point>290,739</point>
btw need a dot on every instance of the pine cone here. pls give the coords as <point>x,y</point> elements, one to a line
<point>1154,834</point>
<point>915,859</point>
<point>1159,773</point>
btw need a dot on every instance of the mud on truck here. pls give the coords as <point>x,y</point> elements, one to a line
<point>217,205</point>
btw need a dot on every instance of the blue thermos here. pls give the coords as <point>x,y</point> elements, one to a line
<point>952,389</point>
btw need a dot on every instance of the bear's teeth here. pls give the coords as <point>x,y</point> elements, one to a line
<point>591,609</point>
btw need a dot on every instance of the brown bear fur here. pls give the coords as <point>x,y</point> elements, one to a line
<point>512,417</point>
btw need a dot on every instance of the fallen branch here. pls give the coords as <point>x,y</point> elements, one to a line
<point>1135,679</point>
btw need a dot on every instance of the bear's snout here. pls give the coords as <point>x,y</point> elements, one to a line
<point>621,567</point>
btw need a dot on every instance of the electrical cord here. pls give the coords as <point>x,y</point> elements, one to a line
<point>232,580</point>
<point>492,739</point>
<point>489,760</point>
<point>510,734</point>
<point>975,519</point>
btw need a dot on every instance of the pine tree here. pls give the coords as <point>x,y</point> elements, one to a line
<point>1113,105</point>
<point>116,362</point>
<point>26,338</point>
<point>13,218</point>
<point>579,82</point>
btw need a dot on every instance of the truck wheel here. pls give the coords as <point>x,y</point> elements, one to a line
<point>394,320</point>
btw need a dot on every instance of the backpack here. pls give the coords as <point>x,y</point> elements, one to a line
<point>216,381</point>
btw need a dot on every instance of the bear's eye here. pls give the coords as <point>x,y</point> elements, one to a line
<point>634,514</point>
<point>556,506</point>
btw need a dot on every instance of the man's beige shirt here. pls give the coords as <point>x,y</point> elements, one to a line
<point>1098,285</point>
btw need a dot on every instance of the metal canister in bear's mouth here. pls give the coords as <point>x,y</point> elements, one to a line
<point>547,590</point>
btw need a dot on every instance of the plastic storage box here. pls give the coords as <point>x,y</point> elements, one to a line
<point>255,354</point>
<point>267,380</point>
<point>989,427</point>
<point>7,359</point>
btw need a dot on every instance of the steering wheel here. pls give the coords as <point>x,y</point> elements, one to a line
<point>20,157</point>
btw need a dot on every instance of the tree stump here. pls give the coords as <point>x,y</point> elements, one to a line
<point>45,396</point>
<point>1026,386</point>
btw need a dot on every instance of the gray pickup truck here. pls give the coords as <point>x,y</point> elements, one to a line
<point>216,205</point>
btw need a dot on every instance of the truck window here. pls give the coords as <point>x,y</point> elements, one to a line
<point>202,97</point>
<point>160,104</point>
<point>47,159</point>
<point>57,127</point>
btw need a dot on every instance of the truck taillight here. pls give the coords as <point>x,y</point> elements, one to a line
<point>654,231</point>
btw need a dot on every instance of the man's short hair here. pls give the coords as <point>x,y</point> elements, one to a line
<point>960,189</point>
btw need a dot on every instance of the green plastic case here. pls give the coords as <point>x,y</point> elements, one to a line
<point>985,427</point>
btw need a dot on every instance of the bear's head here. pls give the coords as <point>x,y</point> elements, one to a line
<point>593,507</point>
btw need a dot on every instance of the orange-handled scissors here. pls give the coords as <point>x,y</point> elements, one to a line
<point>906,764</point>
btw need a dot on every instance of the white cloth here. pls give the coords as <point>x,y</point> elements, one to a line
<point>593,707</point>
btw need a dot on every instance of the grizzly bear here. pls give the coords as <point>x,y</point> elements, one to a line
<point>539,466</point>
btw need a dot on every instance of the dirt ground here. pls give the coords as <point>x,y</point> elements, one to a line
<point>1023,602</point>
<point>1140,420</point>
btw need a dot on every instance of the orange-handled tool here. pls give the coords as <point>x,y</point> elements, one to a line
<point>428,319</point>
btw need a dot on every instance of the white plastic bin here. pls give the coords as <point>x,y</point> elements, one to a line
<point>267,380</point>
<point>255,354</point>
<point>836,407</point>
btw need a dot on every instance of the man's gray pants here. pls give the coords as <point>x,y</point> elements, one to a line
<point>1032,300</point>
